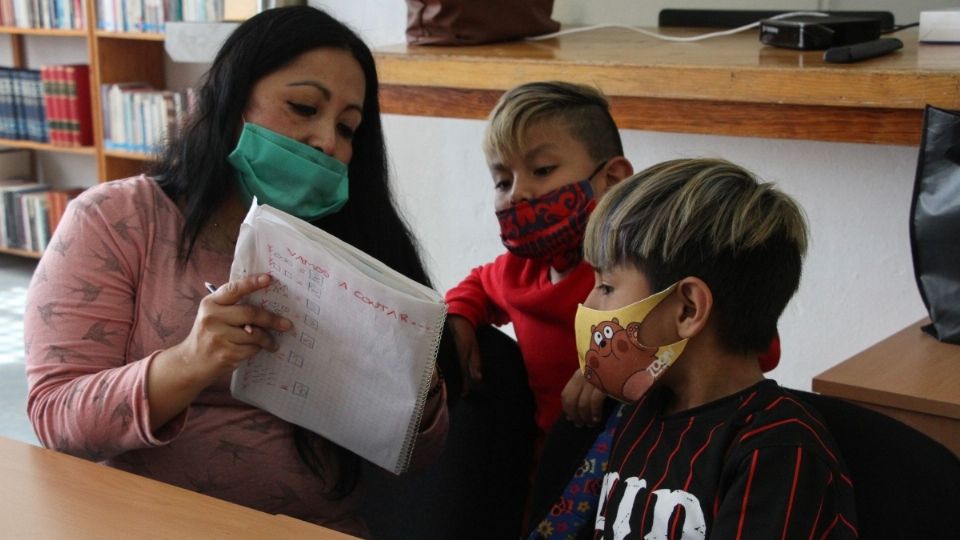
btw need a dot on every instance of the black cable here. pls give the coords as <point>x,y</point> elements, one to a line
<point>900,27</point>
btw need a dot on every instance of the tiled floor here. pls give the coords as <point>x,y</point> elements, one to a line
<point>15,275</point>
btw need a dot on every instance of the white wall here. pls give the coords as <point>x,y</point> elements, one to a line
<point>857,285</point>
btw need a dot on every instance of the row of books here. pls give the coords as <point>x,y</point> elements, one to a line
<point>53,14</point>
<point>137,118</point>
<point>22,113</point>
<point>67,107</point>
<point>51,104</point>
<point>152,15</point>
<point>29,211</point>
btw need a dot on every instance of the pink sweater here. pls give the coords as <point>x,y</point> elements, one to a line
<point>105,299</point>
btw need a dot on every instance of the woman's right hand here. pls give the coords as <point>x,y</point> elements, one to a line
<point>224,333</point>
<point>465,338</point>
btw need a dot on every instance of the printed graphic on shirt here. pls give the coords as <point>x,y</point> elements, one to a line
<point>756,464</point>
<point>670,506</point>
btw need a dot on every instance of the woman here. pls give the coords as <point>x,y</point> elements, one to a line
<point>128,356</point>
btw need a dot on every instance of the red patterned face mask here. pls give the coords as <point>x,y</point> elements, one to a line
<point>550,227</point>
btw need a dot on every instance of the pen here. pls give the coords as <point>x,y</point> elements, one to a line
<point>861,51</point>
<point>212,289</point>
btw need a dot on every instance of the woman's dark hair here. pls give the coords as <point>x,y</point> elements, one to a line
<point>194,172</point>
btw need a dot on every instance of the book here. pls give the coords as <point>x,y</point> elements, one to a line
<point>357,365</point>
<point>77,80</point>
<point>7,112</point>
<point>33,105</point>
<point>50,104</point>
<point>118,114</point>
<point>19,112</point>
<point>11,211</point>
<point>35,234</point>
<point>57,200</point>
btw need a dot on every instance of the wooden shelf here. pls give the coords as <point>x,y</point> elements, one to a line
<point>123,154</point>
<point>54,32</point>
<point>21,252</point>
<point>139,36</point>
<point>730,85</point>
<point>47,147</point>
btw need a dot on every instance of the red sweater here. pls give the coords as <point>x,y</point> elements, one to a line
<point>517,290</point>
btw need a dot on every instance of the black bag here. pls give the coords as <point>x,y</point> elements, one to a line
<point>935,222</point>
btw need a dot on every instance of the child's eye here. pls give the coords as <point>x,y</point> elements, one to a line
<point>544,171</point>
<point>605,289</point>
<point>502,185</point>
<point>302,110</point>
<point>346,131</point>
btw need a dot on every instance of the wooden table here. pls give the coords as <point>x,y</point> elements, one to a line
<point>909,376</point>
<point>47,494</point>
<point>730,85</point>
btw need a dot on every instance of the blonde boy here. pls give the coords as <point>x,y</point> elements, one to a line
<point>695,261</point>
<point>553,150</point>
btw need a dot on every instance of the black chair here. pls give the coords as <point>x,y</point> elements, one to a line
<point>906,484</point>
<point>478,487</point>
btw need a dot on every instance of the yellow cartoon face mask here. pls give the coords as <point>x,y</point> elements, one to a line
<point>611,355</point>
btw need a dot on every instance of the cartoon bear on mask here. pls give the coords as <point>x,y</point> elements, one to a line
<point>617,362</point>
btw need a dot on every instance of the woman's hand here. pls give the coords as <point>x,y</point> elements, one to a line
<point>582,402</point>
<point>224,333</point>
<point>227,332</point>
<point>465,338</point>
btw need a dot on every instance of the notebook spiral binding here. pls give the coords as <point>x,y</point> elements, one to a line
<point>409,441</point>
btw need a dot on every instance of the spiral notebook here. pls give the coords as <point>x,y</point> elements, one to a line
<point>357,365</point>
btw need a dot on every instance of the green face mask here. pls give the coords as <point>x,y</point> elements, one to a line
<point>287,174</point>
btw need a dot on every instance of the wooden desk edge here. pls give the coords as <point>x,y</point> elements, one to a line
<point>55,485</point>
<point>837,381</point>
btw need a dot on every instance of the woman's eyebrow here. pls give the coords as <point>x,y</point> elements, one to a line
<point>327,94</point>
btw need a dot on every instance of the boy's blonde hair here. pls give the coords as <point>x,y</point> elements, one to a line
<point>583,109</point>
<point>714,220</point>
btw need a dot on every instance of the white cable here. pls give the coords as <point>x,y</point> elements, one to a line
<point>675,38</point>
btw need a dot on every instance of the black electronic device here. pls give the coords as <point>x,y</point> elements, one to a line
<point>844,54</point>
<point>810,32</point>
<point>732,18</point>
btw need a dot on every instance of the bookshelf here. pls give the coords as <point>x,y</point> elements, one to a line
<point>114,57</point>
<point>47,147</point>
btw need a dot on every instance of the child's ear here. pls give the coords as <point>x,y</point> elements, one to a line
<point>697,304</point>
<point>616,170</point>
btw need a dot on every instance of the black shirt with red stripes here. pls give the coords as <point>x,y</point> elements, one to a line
<point>756,464</point>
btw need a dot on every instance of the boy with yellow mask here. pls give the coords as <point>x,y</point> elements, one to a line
<point>694,262</point>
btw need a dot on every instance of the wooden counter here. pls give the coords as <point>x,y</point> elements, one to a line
<point>46,494</point>
<point>730,85</point>
<point>909,376</point>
